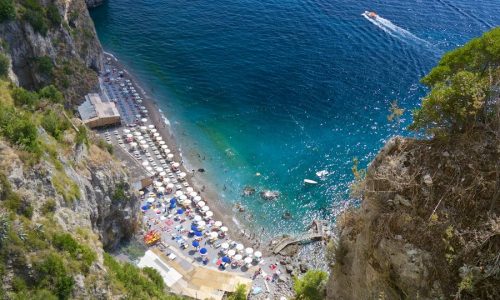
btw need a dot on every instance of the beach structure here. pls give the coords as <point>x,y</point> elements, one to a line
<point>94,112</point>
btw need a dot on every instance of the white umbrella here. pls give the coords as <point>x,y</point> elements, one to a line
<point>167,151</point>
<point>176,165</point>
<point>193,194</point>
<point>151,200</point>
<point>239,247</point>
<point>189,189</point>
<point>145,163</point>
<point>170,185</point>
<point>143,128</point>
<point>179,193</point>
<point>144,146</point>
<point>126,130</point>
<point>258,254</point>
<point>224,245</point>
<point>159,169</point>
<point>156,134</point>
<point>161,189</point>
<point>137,133</point>
<point>143,142</point>
<point>152,128</point>
<point>144,120</point>
<point>164,147</point>
<point>133,144</point>
<point>158,184</point>
<point>165,179</point>
<point>201,203</point>
<point>197,199</point>
<point>139,138</point>
<point>225,229</point>
<point>201,223</point>
<point>248,260</point>
<point>183,197</point>
<point>129,136</point>
<point>249,251</point>
<point>218,224</point>
<point>197,218</point>
<point>182,175</point>
<point>209,214</point>
<point>213,235</point>
<point>170,156</point>
<point>186,202</point>
<point>238,257</point>
<point>158,138</point>
<point>231,252</point>
<point>161,142</point>
<point>163,174</point>
<point>149,169</point>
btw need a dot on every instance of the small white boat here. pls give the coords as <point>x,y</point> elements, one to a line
<point>309,181</point>
<point>322,173</point>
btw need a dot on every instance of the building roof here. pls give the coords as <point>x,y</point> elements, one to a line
<point>94,107</point>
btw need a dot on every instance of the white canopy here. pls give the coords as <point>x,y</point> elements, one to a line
<point>145,163</point>
<point>149,169</point>
<point>143,142</point>
<point>163,174</point>
<point>225,229</point>
<point>126,130</point>
<point>197,218</point>
<point>238,257</point>
<point>239,247</point>
<point>161,189</point>
<point>133,144</point>
<point>209,214</point>
<point>165,179</point>
<point>137,133</point>
<point>189,189</point>
<point>159,169</point>
<point>158,184</point>
<point>143,128</point>
<point>186,202</point>
<point>213,235</point>
<point>161,142</point>
<point>218,224</point>
<point>176,165</point>
<point>197,199</point>
<point>201,203</point>
<point>170,156</point>
<point>144,120</point>
<point>159,138</point>
<point>248,260</point>
<point>183,197</point>
<point>156,134</point>
<point>139,138</point>
<point>182,175</point>
<point>249,251</point>
<point>224,245</point>
<point>152,128</point>
<point>193,194</point>
<point>167,151</point>
<point>179,193</point>
<point>201,223</point>
<point>170,185</point>
<point>258,254</point>
<point>151,200</point>
<point>164,147</point>
<point>205,208</point>
<point>129,135</point>
<point>231,252</point>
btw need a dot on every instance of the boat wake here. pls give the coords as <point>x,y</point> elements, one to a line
<point>394,30</point>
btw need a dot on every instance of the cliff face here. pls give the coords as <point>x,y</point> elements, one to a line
<point>93,3</point>
<point>65,52</point>
<point>428,226</point>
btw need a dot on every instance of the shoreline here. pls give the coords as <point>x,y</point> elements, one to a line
<point>200,184</point>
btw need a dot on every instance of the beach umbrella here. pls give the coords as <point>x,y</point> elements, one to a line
<point>249,251</point>
<point>159,138</point>
<point>163,174</point>
<point>201,203</point>
<point>238,257</point>
<point>144,146</point>
<point>225,229</point>
<point>145,207</point>
<point>217,224</point>
<point>240,247</point>
<point>161,189</point>
<point>248,260</point>
<point>143,142</point>
<point>158,184</point>
<point>173,200</point>
<point>143,128</point>
<point>193,194</point>
<point>164,147</point>
<point>186,202</point>
<point>231,252</point>
<point>176,165</point>
<point>198,233</point>
<point>133,144</point>
<point>126,131</point>
<point>170,156</point>
<point>203,251</point>
<point>183,197</point>
<point>195,243</point>
<point>201,223</point>
<point>143,120</point>
<point>156,134</point>
<point>159,169</point>
<point>224,245</point>
<point>145,163</point>
<point>141,193</point>
<point>205,208</point>
<point>161,142</point>
<point>137,133</point>
<point>149,169</point>
<point>166,150</point>
<point>179,193</point>
<point>129,136</point>
<point>139,138</point>
<point>258,254</point>
<point>137,116</point>
<point>165,179</point>
<point>180,211</point>
<point>170,186</point>
<point>226,259</point>
<point>209,214</point>
<point>182,175</point>
<point>197,218</point>
<point>197,199</point>
<point>213,235</point>
<point>152,128</point>
<point>189,189</point>
<point>193,227</point>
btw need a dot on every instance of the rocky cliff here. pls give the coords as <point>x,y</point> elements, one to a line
<point>53,42</point>
<point>93,3</point>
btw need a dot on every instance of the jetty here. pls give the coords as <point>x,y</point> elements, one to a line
<point>315,234</point>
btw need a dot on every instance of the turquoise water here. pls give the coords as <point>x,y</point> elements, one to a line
<point>285,88</point>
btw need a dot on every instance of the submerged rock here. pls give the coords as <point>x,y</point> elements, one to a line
<point>248,191</point>
<point>269,195</point>
<point>286,215</point>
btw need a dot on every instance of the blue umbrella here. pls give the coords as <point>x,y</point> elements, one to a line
<point>172,205</point>
<point>180,211</point>
<point>173,201</point>
<point>193,227</point>
<point>226,259</point>
<point>198,233</point>
<point>203,251</point>
<point>195,244</point>
<point>145,207</point>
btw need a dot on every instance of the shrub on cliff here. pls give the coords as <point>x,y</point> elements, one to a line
<point>311,286</point>
<point>25,98</point>
<point>51,93</point>
<point>54,124</point>
<point>461,87</point>
<point>7,10</point>
<point>4,65</point>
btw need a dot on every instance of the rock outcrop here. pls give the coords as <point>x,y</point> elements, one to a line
<point>428,226</point>
<point>67,54</point>
<point>93,3</point>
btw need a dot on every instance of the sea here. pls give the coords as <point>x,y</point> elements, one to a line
<point>265,94</point>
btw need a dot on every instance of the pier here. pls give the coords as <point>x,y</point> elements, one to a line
<point>316,234</point>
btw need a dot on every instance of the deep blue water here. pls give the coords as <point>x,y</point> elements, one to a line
<point>285,88</point>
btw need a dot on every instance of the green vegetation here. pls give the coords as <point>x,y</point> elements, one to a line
<point>136,283</point>
<point>4,65</point>
<point>105,146</point>
<point>44,65</point>
<point>24,98</point>
<point>53,15</point>
<point>119,193</point>
<point>65,242</point>
<point>18,128</point>
<point>65,186</point>
<point>311,286</point>
<point>461,85</point>
<point>7,10</point>
<point>239,294</point>
<point>82,136</point>
<point>51,93</point>
<point>54,124</point>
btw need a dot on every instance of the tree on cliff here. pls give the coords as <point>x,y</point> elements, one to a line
<point>462,88</point>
